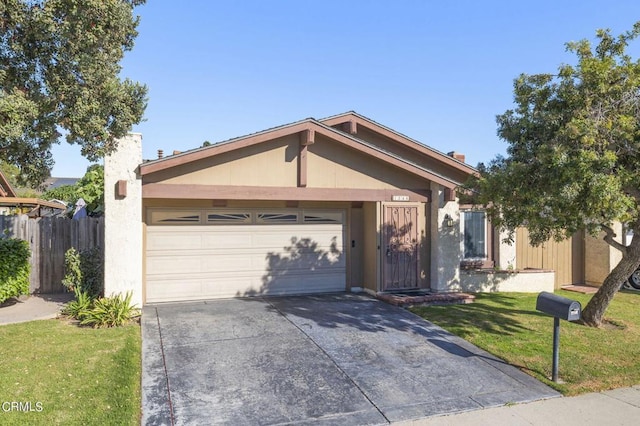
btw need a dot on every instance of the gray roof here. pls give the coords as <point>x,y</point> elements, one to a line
<point>55,182</point>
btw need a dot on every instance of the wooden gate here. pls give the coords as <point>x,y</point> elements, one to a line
<point>566,257</point>
<point>401,248</point>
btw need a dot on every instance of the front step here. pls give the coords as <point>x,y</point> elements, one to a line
<point>406,300</point>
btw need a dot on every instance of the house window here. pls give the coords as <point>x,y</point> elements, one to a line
<point>474,230</point>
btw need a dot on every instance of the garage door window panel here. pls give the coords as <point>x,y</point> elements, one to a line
<point>322,217</point>
<point>267,218</point>
<point>172,217</point>
<point>221,218</point>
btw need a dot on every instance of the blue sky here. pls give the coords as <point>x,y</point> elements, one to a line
<point>438,72</point>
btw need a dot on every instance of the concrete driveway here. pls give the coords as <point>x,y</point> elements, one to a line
<point>325,359</point>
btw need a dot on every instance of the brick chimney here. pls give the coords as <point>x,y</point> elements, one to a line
<point>456,155</point>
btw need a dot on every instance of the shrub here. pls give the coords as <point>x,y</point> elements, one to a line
<point>84,271</point>
<point>73,275</point>
<point>14,268</point>
<point>110,312</point>
<point>79,307</point>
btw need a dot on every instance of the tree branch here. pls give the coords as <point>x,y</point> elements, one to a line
<point>634,192</point>
<point>609,238</point>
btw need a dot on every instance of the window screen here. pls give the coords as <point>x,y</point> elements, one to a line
<point>474,235</point>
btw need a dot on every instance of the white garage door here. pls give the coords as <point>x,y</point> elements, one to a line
<point>204,254</point>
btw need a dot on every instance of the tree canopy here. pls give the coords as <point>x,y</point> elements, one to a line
<point>90,188</point>
<point>59,76</point>
<point>573,156</point>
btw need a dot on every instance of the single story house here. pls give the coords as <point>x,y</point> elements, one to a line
<point>34,207</point>
<point>338,204</point>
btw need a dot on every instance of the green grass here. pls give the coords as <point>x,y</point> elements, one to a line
<point>508,326</point>
<point>76,375</point>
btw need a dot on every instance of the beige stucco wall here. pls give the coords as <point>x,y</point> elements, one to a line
<point>506,253</point>
<point>371,262</point>
<point>521,281</point>
<point>272,164</point>
<point>600,258</point>
<point>332,165</point>
<point>329,165</point>
<point>445,242</point>
<point>410,154</point>
<point>123,222</point>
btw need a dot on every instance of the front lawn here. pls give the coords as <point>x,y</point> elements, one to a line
<point>508,326</point>
<point>52,372</point>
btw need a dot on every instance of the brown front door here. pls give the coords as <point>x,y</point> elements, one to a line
<point>401,247</point>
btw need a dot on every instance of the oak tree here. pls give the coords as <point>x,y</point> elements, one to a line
<point>573,156</point>
<point>59,76</point>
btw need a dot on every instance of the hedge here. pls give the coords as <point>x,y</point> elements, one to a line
<point>14,268</point>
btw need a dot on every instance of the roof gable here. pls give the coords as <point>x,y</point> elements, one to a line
<point>5,187</point>
<point>351,120</point>
<point>449,173</point>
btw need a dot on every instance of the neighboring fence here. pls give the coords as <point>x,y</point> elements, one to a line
<point>49,239</point>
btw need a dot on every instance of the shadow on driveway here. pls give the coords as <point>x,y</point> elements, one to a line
<point>322,359</point>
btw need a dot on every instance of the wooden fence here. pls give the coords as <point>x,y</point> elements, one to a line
<point>49,238</point>
<point>566,257</point>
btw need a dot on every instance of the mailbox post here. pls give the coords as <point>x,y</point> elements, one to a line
<point>560,308</point>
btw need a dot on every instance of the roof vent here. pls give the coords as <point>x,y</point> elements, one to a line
<point>160,154</point>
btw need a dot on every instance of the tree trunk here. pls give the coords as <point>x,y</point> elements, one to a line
<point>593,314</point>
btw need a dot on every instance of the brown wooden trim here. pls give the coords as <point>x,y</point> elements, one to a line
<point>302,165</point>
<point>384,156</point>
<point>19,201</point>
<point>307,137</point>
<point>377,128</point>
<point>121,189</point>
<point>350,127</point>
<point>449,194</point>
<point>490,238</point>
<point>221,148</point>
<point>231,192</point>
<point>311,126</point>
<point>5,187</point>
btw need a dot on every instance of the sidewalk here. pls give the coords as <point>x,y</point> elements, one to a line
<point>34,307</point>
<point>614,407</point>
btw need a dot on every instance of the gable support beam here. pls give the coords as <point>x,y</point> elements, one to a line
<point>290,194</point>
<point>307,137</point>
<point>350,127</point>
<point>449,194</point>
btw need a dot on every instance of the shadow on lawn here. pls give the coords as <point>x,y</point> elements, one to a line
<point>501,317</point>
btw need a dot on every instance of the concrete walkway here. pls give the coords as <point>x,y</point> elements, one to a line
<point>614,407</point>
<point>34,307</point>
